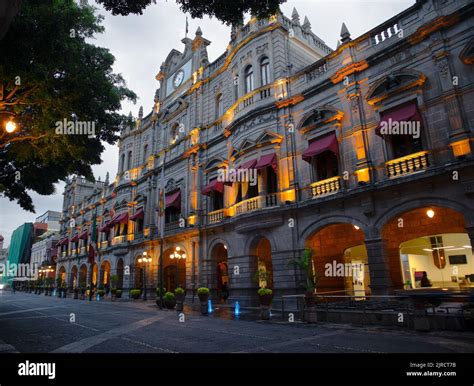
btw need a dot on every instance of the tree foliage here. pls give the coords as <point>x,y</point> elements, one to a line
<point>227,11</point>
<point>49,73</point>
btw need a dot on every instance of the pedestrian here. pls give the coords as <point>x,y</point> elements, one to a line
<point>224,292</point>
<point>425,282</point>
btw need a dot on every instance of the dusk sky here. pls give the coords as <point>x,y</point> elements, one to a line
<point>141,43</point>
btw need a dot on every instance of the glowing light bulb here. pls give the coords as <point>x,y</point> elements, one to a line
<point>178,248</point>
<point>10,127</point>
<point>356,227</point>
<point>430,213</point>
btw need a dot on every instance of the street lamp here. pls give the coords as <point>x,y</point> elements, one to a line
<point>177,254</point>
<point>144,260</point>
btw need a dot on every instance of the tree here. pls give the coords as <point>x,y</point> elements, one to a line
<point>305,264</point>
<point>50,77</point>
<point>227,11</point>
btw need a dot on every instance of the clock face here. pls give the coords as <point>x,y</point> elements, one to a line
<point>178,78</point>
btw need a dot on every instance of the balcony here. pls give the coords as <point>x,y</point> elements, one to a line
<point>103,244</point>
<point>326,187</point>
<point>255,203</point>
<point>215,216</point>
<point>64,254</point>
<point>117,240</point>
<point>82,251</point>
<point>407,165</point>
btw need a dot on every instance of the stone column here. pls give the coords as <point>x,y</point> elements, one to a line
<point>380,280</point>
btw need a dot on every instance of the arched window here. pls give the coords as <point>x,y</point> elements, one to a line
<point>122,163</point>
<point>219,106</point>
<point>265,71</point>
<point>145,153</point>
<point>129,160</point>
<point>248,79</point>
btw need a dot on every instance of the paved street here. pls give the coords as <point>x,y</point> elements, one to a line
<point>36,323</point>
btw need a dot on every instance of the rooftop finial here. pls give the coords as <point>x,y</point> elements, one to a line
<point>345,35</point>
<point>140,112</point>
<point>295,17</point>
<point>306,24</point>
<point>199,32</point>
<point>107,178</point>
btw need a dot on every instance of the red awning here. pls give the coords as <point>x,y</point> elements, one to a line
<point>61,242</point>
<point>265,161</point>
<point>404,113</point>
<point>121,218</point>
<point>320,145</point>
<point>173,200</point>
<point>213,186</point>
<point>83,235</point>
<point>75,238</point>
<point>106,227</point>
<point>140,214</point>
<point>248,165</point>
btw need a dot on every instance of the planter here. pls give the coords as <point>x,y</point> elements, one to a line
<point>180,302</point>
<point>118,294</point>
<point>101,293</point>
<point>204,309</point>
<point>170,304</point>
<point>60,293</point>
<point>64,291</point>
<point>265,306</point>
<point>76,294</point>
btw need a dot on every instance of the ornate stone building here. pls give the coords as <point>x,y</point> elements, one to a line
<point>310,124</point>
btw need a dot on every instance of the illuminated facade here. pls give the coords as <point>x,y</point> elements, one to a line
<point>308,123</point>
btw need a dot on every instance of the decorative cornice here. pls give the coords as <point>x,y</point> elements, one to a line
<point>349,70</point>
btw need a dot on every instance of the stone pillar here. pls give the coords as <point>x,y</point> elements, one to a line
<point>380,280</point>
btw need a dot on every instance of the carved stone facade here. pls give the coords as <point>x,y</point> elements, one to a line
<point>273,101</point>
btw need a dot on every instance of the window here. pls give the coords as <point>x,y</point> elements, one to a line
<point>219,106</point>
<point>325,166</point>
<point>129,160</point>
<point>403,145</point>
<point>217,200</point>
<point>248,79</point>
<point>145,153</point>
<point>272,185</point>
<point>122,163</point>
<point>265,71</point>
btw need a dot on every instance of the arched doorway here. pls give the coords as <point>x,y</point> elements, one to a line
<point>105,274</point>
<point>62,275</point>
<point>74,278</point>
<point>83,276</point>
<point>95,272</point>
<point>120,267</point>
<point>432,240</point>
<point>174,268</point>
<point>263,267</point>
<point>340,260</point>
<point>220,265</point>
<point>138,273</point>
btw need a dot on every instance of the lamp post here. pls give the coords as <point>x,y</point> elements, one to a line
<point>177,254</point>
<point>145,260</point>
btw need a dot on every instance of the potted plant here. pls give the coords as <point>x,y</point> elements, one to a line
<point>203,294</point>
<point>180,294</point>
<point>169,300</point>
<point>135,293</point>
<point>265,295</point>
<point>310,280</point>
<point>64,289</point>
<point>118,293</point>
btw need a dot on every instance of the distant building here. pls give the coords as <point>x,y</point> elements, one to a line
<point>3,251</point>
<point>51,218</point>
